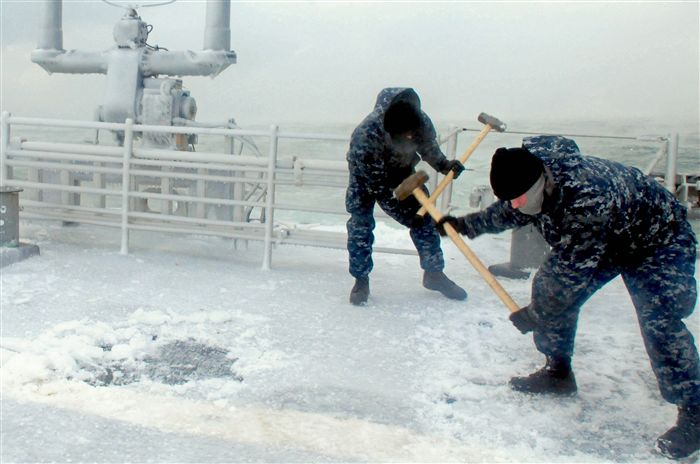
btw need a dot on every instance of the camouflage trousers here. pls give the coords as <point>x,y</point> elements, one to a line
<point>663,290</point>
<point>359,202</point>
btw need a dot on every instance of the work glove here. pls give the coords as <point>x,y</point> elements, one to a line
<point>460,224</point>
<point>523,320</point>
<point>453,165</point>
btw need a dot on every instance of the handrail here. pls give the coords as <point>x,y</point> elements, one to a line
<point>165,172</point>
<point>648,138</point>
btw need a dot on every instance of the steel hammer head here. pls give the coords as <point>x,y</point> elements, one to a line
<point>409,184</point>
<point>495,123</point>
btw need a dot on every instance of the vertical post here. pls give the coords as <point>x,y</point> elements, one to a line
<point>236,189</point>
<point>238,194</point>
<point>52,29</point>
<point>217,31</point>
<point>126,182</point>
<point>166,206</point>
<point>682,193</point>
<point>230,144</point>
<point>34,175</point>
<point>270,199</point>
<point>671,163</point>
<point>68,178</point>
<point>4,145</point>
<point>200,187</point>
<point>451,150</point>
<point>99,180</point>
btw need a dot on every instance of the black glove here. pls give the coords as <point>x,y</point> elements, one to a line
<point>523,320</point>
<point>453,165</point>
<point>455,222</point>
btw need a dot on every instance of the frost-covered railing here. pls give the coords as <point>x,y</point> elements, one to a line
<point>134,188</point>
<point>210,193</point>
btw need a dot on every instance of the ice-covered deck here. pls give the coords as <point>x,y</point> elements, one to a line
<point>411,377</point>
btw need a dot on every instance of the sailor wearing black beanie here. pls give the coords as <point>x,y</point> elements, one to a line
<point>602,219</point>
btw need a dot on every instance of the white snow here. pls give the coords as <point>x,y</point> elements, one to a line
<point>410,377</point>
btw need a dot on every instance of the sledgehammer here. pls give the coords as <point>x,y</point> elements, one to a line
<point>412,185</point>
<point>491,123</point>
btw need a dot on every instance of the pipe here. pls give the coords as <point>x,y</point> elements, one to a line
<point>72,62</point>
<point>189,63</point>
<point>217,31</point>
<point>52,33</point>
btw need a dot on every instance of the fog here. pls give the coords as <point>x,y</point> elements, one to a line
<point>326,61</point>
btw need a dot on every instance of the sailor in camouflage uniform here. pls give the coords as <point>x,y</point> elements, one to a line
<point>384,150</point>
<point>602,219</point>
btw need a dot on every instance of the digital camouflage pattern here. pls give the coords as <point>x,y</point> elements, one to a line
<point>603,219</point>
<point>377,166</point>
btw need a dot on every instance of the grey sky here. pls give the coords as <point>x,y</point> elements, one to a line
<point>326,61</point>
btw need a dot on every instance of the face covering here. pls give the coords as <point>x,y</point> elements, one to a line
<point>534,198</point>
<point>404,145</point>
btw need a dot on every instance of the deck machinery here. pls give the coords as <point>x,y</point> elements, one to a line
<point>141,82</point>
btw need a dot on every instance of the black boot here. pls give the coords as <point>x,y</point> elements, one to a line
<point>556,377</point>
<point>437,280</point>
<point>683,439</point>
<point>360,291</point>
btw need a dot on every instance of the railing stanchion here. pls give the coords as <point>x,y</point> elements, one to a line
<point>451,150</point>
<point>126,182</point>
<point>270,200</point>
<point>671,163</point>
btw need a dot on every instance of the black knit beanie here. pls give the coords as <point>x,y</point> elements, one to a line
<point>513,172</point>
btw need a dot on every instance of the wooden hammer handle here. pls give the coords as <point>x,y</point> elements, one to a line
<point>468,253</point>
<point>450,175</point>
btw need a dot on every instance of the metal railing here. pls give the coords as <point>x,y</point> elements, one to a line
<point>206,193</point>
<point>134,188</point>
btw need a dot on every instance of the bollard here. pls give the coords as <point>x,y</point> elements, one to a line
<point>9,216</point>
<point>528,249</point>
<point>11,249</point>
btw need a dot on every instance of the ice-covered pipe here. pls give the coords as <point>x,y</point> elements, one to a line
<point>51,31</point>
<point>71,62</point>
<point>189,63</point>
<point>217,31</point>
<point>50,54</point>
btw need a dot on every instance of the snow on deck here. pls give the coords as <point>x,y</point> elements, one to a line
<point>185,350</point>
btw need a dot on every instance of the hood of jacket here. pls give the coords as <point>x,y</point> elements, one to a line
<point>551,146</point>
<point>555,151</point>
<point>391,95</point>
<point>371,153</point>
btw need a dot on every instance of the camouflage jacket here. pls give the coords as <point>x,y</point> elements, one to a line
<point>376,165</point>
<point>600,213</point>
